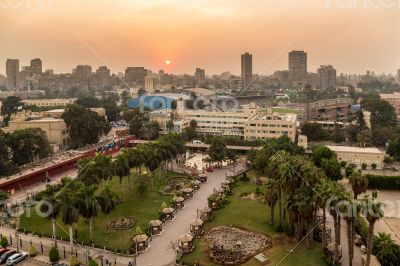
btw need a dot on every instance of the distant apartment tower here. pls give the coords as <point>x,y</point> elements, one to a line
<point>81,75</point>
<point>298,68</point>
<point>12,71</point>
<point>36,66</point>
<point>247,69</point>
<point>327,77</point>
<point>398,75</point>
<point>135,75</point>
<point>200,77</point>
<point>103,76</point>
<point>282,76</point>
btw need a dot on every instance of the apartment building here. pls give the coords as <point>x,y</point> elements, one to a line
<point>358,156</point>
<point>336,109</point>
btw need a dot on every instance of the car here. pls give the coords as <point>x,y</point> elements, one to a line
<point>197,142</point>
<point>3,250</point>
<point>5,256</point>
<point>17,257</point>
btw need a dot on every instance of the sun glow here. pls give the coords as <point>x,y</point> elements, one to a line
<point>167,62</point>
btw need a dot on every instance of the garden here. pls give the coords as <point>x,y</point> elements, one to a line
<point>247,212</point>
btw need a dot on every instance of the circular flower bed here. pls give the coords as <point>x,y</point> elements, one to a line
<point>123,223</point>
<point>233,246</point>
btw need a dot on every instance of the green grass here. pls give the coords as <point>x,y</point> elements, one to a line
<point>254,216</point>
<point>143,211</point>
<point>286,110</point>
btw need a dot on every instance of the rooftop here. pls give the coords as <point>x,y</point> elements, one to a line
<point>355,149</point>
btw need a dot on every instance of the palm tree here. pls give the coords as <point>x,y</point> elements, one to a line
<point>152,159</point>
<point>121,168</point>
<point>70,214</point>
<point>359,183</point>
<point>352,211</point>
<point>271,197</point>
<point>88,206</point>
<point>324,192</point>
<point>374,211</point>
<point>55,203</point>
<point>104,167</point>
<point>364,138</point>
<point>107,200</point>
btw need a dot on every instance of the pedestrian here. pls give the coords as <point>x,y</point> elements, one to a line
<point>130,263</point>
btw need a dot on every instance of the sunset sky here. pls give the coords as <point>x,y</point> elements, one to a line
<point>210,34</point>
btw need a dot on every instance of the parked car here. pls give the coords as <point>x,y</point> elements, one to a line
<point>3,250</point>
<point>6,255</point>
<point>17,257</point>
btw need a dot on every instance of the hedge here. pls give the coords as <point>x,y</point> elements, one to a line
<point>383,182</point>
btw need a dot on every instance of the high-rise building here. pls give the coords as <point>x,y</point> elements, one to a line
<point>81,75</point>
<point>327,77</point>
<point>398,75</point>
<point>247,69</point>
<point>103,76</point>
<point>12,71</point>
<point>150,84</point>
<point>135,75</point>
<point>36,66</point>
<point>298,68</point>
<point>200,76</point>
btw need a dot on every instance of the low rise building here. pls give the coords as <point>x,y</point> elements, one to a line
<point>393,99</point>
<point>359,156</point>
<point>336,109</point>
<point>55,128</point>
<point>49,102</point>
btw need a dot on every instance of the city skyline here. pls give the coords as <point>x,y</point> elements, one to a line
<point>134,33</point>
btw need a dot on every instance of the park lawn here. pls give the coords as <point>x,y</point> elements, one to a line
<point>254,216</point>
<point>144,211</point>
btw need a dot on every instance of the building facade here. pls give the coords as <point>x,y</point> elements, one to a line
<point>135,75</point>
<point>393,99</point>
<point>327,77</point>
<point>12,72</point>
<point>200,77</point>
<point>49,102</point>
<point>36,66</point>
<point>298,68</point>
<point>247,69</point>
<point>337,109</point>
<point>359,156</point>
<point>56,130</point>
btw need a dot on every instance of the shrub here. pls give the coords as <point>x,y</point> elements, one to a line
<point>93,263</point>
<point>383,182</point>
<point>32,251</point>
<point>4,242</point>
<point>258,191</point>
<point>373,166</point>
<point>362,228</point>
<point>349,170</point>
<point>363,166</point>
<point>53,255</point>
<point>245,178</point>
<point>343,164</point>
<point>73,261</point>
<point>388,160</point>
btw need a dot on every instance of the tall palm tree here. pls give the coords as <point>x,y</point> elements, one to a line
<point>374,211</point>
<point>70,214</point>
<point>55,203</point>
<point>107,200</point>
<point>87,204</point>
<point>324,192</point>
<point>271,197</point>
<point>122,169</point>
<point>152,159</point>
<point>104,167</point>
<point>359,183</point>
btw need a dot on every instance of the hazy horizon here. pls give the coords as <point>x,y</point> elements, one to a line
<point>199,33</point>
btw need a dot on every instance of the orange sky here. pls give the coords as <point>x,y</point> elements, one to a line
<point>210,34</point>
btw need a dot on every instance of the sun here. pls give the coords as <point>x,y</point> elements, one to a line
<point>167,62</point>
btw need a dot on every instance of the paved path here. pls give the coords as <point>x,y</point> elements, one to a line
<point>161,252</point>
